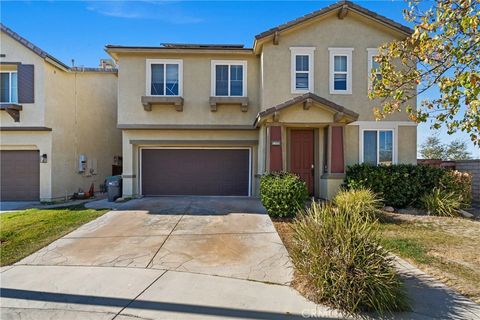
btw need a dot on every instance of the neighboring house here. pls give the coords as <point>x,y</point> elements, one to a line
<point>52,118</point>
<point>211,119</point>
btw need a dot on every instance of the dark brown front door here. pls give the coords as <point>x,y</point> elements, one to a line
<point>19,175</point>
<point>221,172</point>
<point>301,156</point>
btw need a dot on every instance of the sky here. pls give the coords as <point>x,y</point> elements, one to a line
<point>79,30</point>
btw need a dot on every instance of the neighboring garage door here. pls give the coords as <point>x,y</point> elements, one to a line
<point>20,175</point>
<point>223,172</point>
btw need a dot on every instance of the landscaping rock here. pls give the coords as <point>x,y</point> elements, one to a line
<point>388,209</point>
<point>466,214</point>
<point>120,200</point>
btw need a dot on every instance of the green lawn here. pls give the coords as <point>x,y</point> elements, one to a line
<point>24,232</point>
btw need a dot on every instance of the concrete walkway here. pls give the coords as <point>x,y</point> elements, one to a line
<point>161,258</point>
<point>182,258</point>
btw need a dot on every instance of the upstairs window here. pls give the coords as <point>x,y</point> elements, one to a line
<point>229,78</point>
<point>372,65</point>
<point>8,87</point>
<point>378,147</point>
<point>302,69</point>
<point>340,70</point>
<point>164,77</point>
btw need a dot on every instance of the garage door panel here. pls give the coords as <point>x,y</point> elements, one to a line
<point>19,175</point>
<point>195,171</point>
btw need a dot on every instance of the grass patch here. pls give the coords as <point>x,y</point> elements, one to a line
<point>446,248</point>
<point>407,248</point>
<point>24,232</point>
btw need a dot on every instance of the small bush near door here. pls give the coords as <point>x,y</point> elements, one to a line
<point>282,194</point>
<point>339,262</point>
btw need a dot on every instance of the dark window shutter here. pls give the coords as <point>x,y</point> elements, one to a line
<point>26,92</point>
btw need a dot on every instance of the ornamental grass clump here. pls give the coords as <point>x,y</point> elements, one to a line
<point>339,262</point>
<point>360,200</point>
<point>439,202</point>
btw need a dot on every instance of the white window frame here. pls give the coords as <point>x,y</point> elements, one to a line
<point>340,52</point>
<point>148,72</point>
<point>10,87</point>
<point>380,126</point>
<point>228,63</point>
<point>302,51</point>
<point>371,53</point>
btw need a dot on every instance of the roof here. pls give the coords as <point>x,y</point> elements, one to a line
<point>336,6</point>
<point>303,98</point>
<point>184,46</point>
<point>48,57</point>
<point>202,46</point>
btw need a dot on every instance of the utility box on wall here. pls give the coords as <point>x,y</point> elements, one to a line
<point>82,163</point>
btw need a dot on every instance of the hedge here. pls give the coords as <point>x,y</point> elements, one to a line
<point>404,185</point>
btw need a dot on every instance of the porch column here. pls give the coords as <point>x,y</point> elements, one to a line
<point>337,150</point>
<point>275,148</point>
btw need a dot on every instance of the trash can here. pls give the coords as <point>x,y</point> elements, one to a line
<point>114,187</point>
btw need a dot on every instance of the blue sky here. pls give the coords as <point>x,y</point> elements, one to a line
<point>79,30</point>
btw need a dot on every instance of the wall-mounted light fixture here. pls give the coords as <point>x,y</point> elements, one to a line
<point>43,158</point>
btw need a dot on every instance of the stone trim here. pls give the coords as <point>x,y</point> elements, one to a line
<point>149,101</point>
<point>242,101</point>
<point>195,142</point>
<point>183,127</point>
<point>25,129</point>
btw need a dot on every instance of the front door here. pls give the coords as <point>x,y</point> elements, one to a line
<point>301,156</point>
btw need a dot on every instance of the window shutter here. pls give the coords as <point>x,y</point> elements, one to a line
<point>25,78</point>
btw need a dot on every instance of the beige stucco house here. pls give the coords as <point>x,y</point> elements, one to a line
<point>191,119</point>
<point>211,119</point>
<point>57,123</point>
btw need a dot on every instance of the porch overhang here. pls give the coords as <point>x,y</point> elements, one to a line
<point>308,100</point>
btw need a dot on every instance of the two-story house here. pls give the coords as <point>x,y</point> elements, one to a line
<point>57,123</point>
<point>211,119</point>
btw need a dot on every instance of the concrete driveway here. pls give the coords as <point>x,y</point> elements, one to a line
<point>161,258</point>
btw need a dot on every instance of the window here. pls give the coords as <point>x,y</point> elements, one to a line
<point>229,78</point>
<point>340,70</point>
<point>8,87</point>
<point>371,65</point>
<point>164,77</point>
<point>302,69</point>
<point>378,146</point>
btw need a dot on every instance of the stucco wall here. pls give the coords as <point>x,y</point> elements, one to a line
<point>351,145</point>
<point>81,109</point>
<point>354,32</point>
<point>33,114</point>
<point>196,92</point>
<point>407,144</point>
<point>154,138</point>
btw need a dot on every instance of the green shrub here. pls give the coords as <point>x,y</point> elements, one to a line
<point>439,202</point>
<point>404,185</point>
<point>359,200</point>
<point>339,262</point>
<point>459,183</point>
<point>282,194</point>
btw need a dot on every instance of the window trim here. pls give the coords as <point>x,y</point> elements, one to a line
<point>302,51</point>
<point>371,52</point>
<point>148,73</point>
<point>10,86</point>
<point>228,63</point>
<point>340,52</point>
<point>379,127</point>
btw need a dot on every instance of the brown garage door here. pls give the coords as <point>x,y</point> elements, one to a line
<point>20,175</point>
<point>222,172</point>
